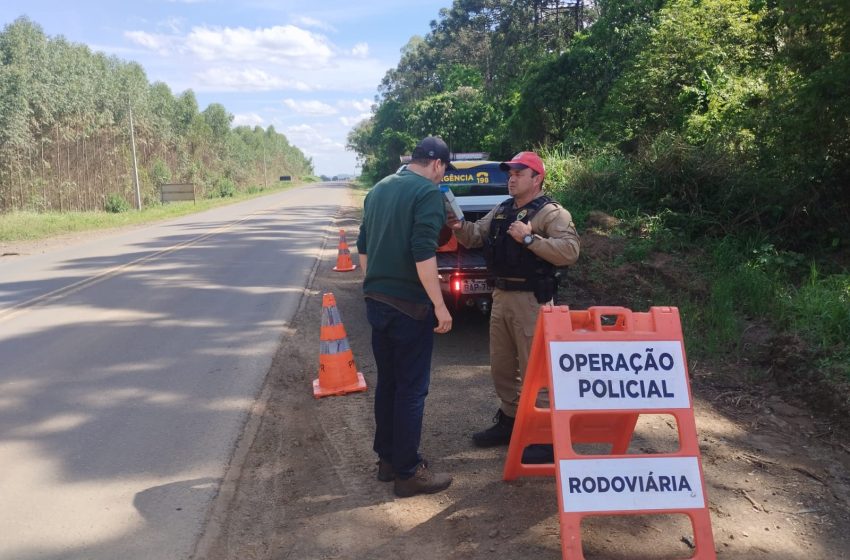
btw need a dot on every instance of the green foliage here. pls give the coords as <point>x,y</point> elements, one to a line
<point>694,74</point>
<point>462,117</point>
<point>18,226</point>
<point>755,282</point>
<point>718,123</point>
<point>820,309</point>
<point>64,129</point>
<point>730,114</point>
<point>568,96</point>
<point>461,81</point>
<point>223,188</point>
<point>594,181</point>
<point>116,203</point>
<point>218,120</point>
<point>455,76</point>
<point>159,173</point>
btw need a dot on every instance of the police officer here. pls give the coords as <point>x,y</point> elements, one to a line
<point>524,238</point>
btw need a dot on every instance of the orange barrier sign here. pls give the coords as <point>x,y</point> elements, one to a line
<point>604,367</point>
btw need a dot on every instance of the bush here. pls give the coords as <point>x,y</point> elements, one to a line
<point>820,309</point>
<point>159,173</point>
<point>591,181</point>
<point>116,204</point>
<point>225,188</point>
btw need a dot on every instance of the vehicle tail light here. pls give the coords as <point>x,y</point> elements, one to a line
<point>456,285</point>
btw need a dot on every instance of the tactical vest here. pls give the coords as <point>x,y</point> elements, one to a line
<point>507,258</point>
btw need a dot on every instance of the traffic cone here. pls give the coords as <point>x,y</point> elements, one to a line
<point>343,260</point>
<point>337,373</point>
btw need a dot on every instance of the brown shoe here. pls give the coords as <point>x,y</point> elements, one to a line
<point>423,481</point>
<point>385,471</point>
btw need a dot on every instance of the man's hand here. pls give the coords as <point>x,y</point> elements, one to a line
<point>452,221</point>
<point>428,276</point>
<point>518,230</point>
<point>444,319</point>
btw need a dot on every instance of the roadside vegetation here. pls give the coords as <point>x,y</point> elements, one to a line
<point>29,226</point>
<point>66,142</point>
<point>712,133</point>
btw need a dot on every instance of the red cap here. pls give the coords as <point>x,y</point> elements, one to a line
<point>523,160</point>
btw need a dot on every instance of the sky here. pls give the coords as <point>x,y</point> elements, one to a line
<point>309,68</point>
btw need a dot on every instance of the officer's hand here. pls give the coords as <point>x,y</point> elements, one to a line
<point>444,320</point>
<point>453,222</point>
<point>518,230</point>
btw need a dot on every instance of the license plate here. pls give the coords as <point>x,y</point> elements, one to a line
<point>475,286</point>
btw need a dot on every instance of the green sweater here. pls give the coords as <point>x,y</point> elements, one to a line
<point>402,218</point>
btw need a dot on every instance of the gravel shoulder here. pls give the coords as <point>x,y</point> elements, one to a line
<point>304,486</point>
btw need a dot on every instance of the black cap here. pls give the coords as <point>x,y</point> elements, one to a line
<point>433,147</point>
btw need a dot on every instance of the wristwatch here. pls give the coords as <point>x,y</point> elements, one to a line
<point>528,240</point>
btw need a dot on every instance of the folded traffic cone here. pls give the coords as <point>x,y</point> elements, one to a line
<point>337,373</point>
<point>343,260</point>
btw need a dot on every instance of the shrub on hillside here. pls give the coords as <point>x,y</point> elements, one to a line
<point>224,187</point>
<point>115,203</point>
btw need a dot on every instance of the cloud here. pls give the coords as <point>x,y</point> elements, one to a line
<point>360,50</point>
<point>311,141</point>
<point>362,108</point>
<point>246,79</point>
<point>351,75</point>
<point>160,43</point>
<point>306,21</point>
<point>351,121</point>
<point>285,44</point>
<point>172,24</point>
<point>266,58</point>
<point>247,119</point>
<point>311,108</point>
<point>361,105</point>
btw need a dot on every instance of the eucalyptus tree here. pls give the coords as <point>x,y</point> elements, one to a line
<point>64,129</point>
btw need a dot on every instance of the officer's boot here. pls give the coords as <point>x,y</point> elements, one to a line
<point>498,434</point>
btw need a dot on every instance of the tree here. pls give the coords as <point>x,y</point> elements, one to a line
<point>462,117</point>
<point>566,97</point>
<point>218,120</point>
<point>64,135</point>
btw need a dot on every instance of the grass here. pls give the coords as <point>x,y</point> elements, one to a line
<point>753,289</point>
<point>30,226</point>
<point>361,184</point>
<point>820,310</point>
<point>750,282</point>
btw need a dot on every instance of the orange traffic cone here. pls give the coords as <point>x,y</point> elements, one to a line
<point>343,260</point>
<point>337,373</point>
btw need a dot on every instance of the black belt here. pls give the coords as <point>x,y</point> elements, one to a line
<point>514,285</point>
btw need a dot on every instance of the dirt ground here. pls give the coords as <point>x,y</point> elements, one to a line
<point>302,484</point>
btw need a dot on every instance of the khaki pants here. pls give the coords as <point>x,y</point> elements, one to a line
<point>512,322</point>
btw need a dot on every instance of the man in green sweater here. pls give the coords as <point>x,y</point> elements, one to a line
<point>402,218</point>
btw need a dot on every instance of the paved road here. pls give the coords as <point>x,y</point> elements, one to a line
<point>128,365</point>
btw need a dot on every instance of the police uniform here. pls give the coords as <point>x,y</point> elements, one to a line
<point>525,279</point>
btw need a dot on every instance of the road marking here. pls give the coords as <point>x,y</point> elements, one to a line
<point>15,310</point>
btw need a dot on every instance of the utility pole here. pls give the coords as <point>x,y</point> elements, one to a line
<point>265,174</point>
<point>135,164</point>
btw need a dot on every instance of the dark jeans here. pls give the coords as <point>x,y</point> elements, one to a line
<point>402,348</point>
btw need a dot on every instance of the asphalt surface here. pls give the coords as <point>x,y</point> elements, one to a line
<point>128,366</point>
